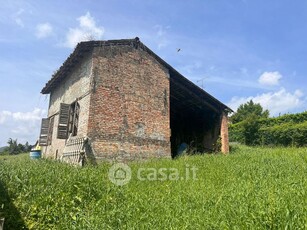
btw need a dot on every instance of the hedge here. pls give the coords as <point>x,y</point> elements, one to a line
<point>287,134</point>
<point>286,130</point>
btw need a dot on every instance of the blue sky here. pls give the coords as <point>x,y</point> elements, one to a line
<point>236,50</point>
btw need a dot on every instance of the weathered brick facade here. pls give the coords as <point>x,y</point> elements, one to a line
<point>129,109</point>
<point>128,97</point>
<point>77,85</point>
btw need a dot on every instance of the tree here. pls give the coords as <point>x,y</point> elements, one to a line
<point>12,146</point>
<point>27,147</point>
<point>15,148</point>
<point>247,110</point>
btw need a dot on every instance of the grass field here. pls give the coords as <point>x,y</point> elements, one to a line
<point>252,188</point>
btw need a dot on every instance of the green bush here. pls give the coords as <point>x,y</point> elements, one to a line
<point>286,130</point>
<point>251,128</point>
<point>236,133</point>
<point>287,118</point>
<point>287,134</point>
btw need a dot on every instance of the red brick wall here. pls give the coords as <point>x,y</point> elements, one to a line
<point>224,134</point>
<point>129,108</point>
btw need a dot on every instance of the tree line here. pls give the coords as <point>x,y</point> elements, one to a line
<point>14,147</point>
<point>251,125</point>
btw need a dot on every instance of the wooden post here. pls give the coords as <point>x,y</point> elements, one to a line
<point>224,134</point>
<point>1,223</point>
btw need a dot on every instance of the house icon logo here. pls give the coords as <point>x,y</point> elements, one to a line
<point>120,174</point>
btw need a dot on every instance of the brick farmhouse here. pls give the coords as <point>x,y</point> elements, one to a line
<point>128,104</point>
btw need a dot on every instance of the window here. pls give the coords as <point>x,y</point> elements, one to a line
<point>68,123</point>
<point>74,118</point>
<point>68,120</point>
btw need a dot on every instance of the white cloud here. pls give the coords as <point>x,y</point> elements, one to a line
<point>17,18</point>
<point>161,36</point>
<point>277,102</point>
<point>36,114</point>
<point>4,115</point>
<point>43,30</point>
<point>19,22</point>
<point>24,126</point>
<point>190,68</point>
<point>87,30</point>
<point>270,78</point>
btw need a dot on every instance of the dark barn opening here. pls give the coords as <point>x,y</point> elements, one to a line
<point>194,117</point>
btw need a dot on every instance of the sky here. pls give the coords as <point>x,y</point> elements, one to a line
<point>235,50</point>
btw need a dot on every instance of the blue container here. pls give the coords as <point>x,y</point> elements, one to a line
<point>35,154</point>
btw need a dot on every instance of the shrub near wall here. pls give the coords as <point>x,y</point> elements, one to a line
<point>286,130</point>
<point>236,133</point>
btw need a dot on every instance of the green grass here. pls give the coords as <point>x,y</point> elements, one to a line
<point>252,188</point>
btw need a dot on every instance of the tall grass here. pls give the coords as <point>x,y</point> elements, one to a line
<point>253,188</point>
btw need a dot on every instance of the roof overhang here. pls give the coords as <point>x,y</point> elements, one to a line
<point>178,80</point>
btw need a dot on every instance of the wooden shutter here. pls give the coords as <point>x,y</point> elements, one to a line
<point>76,119</point>
<point>63,121</point>
<point>50,131</point>
<point>43,137</point>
